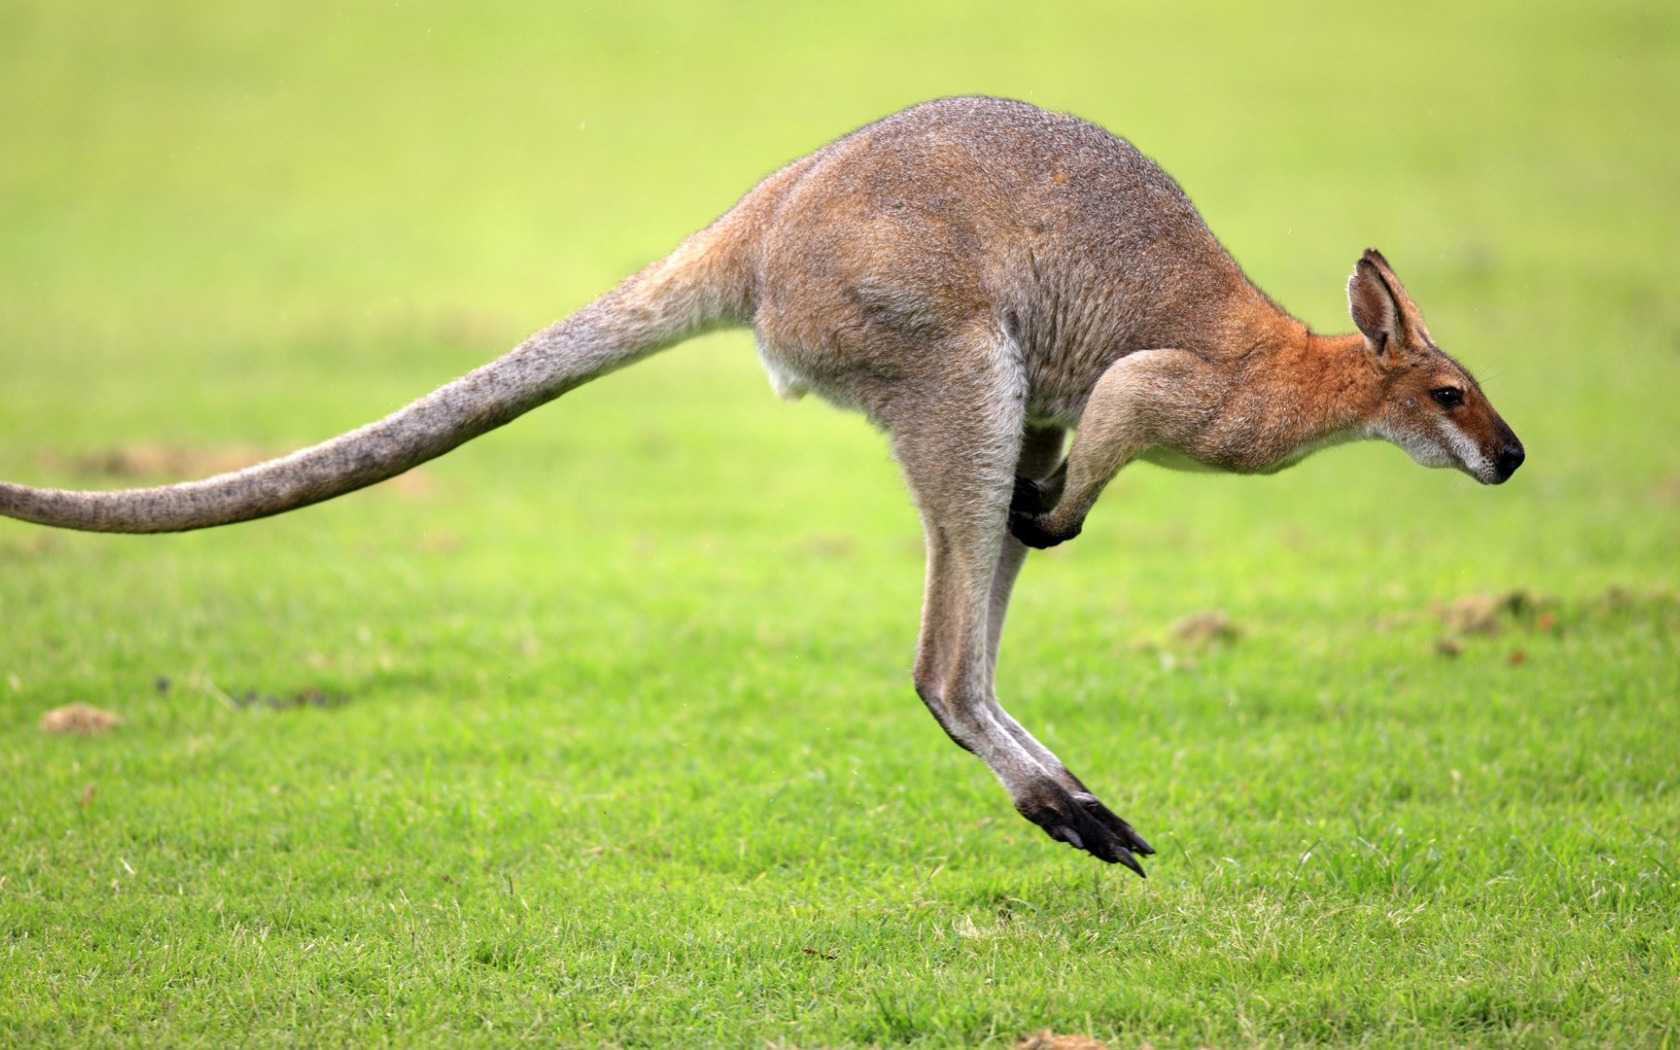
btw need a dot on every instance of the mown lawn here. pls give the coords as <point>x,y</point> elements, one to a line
<point>600,731</point>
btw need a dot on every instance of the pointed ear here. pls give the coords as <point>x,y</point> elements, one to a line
<point>1381,309</point>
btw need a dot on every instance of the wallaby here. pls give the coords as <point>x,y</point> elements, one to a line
<point>976,276</point>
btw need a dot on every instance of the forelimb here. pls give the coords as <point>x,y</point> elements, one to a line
<point>1146,400</point>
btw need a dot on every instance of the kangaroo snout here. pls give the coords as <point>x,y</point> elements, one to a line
<point>1509,459</point>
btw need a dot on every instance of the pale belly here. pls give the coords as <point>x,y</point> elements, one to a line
<point>1174,460</point>
<point>791,382</point>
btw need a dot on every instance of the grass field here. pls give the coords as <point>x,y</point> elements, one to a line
<point>600,730</point>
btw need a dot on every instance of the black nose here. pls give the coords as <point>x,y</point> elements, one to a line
<point>1510,458</point>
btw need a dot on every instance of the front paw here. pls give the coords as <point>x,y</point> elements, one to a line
<point>1031,497</point>
<point>1034,531</point>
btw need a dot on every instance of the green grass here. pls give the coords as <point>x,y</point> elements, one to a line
<point>627,752</point>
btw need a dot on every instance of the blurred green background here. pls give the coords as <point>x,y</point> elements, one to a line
<point>644,653</point>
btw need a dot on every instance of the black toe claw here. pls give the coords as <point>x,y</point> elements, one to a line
<point>1083,823</point>
<point>1109,820</point>
<point>1130,861</point>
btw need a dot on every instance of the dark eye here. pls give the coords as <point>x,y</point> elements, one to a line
<point>1448,396</point>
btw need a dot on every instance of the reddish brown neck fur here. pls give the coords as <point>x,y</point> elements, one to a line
<point>1337,373</point>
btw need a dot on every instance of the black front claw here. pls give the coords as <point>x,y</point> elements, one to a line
<point>1029,529</point>
<point>1031,497</point>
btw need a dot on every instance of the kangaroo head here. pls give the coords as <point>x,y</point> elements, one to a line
<point>1430,406</point>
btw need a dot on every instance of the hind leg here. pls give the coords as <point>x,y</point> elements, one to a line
<point>959,453</point>
<point>1040,459</point>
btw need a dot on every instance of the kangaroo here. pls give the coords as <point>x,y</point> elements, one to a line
<point>978,277</point>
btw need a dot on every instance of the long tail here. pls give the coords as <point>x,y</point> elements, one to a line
<point>693,290</point>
